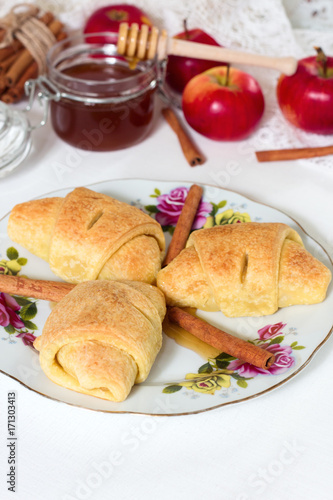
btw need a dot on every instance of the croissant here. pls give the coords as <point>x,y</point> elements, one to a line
<point>88,235</point>
<point>102,346</point>
<point>246,269</point>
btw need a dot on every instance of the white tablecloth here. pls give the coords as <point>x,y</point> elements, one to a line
<point>277,446</point>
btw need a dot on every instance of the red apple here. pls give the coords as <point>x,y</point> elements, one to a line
<point>179,69</point>
<point>306,98</point>
<point>223,104</point>
<point>108,19</point>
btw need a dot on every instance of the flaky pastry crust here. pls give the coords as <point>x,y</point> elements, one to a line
<point>245,269</point>
<point>103,337</point>
<point>89,235</point>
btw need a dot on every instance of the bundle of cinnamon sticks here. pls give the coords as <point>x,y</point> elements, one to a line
<point>17,65</point>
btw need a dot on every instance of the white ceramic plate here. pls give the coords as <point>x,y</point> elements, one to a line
<point>294,334</point>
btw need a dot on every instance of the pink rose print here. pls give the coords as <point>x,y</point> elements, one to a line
<point>270,331</point>
<point>4,316</point>
<point>283,361</point>
<point>27,338</point>
<point>170,205</point>
<point>8,316</point>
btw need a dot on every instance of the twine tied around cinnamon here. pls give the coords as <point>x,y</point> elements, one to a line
<point>34,35</point>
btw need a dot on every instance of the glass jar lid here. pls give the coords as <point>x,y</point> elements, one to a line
<point>94,50</point>
<point>15,138</point>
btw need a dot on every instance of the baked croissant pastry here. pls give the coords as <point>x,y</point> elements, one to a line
<point>246,269</point>
<point>103,337</point>
<point>88,235</point>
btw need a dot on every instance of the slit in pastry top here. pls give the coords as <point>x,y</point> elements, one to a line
<point>247,269</point>
<point>89,235</point>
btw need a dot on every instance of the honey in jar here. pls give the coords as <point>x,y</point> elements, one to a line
<point>103,104</point>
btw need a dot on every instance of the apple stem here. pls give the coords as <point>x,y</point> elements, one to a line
<point>185,29</point>
<point>322,60</point>
<point>227,75</point>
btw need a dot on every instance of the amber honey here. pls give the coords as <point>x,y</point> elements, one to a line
<point>187,340</point>
<point>104,103</point>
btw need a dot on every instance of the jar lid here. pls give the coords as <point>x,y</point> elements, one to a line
<point>15,138</point>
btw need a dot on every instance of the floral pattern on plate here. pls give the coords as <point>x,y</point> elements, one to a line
<point>219,371</point>
<point>16,312</point>
<point>226,380</point>
<point>169,206</point>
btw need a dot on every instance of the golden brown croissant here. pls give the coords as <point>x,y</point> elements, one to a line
<point>88,235</point>
<point>103,337</point>
<point>246,269</point>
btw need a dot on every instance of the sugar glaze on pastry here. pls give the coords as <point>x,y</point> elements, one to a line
<point>245,269</point>
<point>103,337</point>
<point>88,235</point>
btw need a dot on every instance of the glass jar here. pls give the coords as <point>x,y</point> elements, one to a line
<point>101,104</point>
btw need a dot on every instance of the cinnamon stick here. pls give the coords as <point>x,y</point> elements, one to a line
<point>17,45</point>
<point>61,36</point>
<point>55,291</point>
<point>55,26</point>
<point>17,91</point>
<point>293,154</point>
<point>19,66</point>
<point>10,50</point>
<point>25,59</point>
<point>7,98</point>
<point>221,340</point>
<point>190,150</point>
<point>38,289</point>
<point>184,223</point>
<point>6,63</point>
<point>3,85</point>
<point>46,18</point>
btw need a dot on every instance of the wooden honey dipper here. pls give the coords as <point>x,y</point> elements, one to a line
<point>145,44</point>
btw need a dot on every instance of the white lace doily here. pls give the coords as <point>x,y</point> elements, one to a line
<point>259,26</point>
<point>310,14</point>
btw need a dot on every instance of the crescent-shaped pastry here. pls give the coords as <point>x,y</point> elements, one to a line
<point>245,269</point>
<point>88,235</point>
<point>103,337</point>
